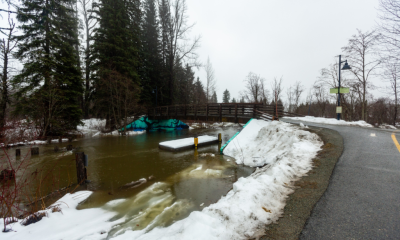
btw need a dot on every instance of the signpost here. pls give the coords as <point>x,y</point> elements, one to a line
<point>342,90</point>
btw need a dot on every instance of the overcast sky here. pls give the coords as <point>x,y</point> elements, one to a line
<point>274,38</point>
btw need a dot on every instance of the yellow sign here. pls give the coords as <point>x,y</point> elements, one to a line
<point>342,90</point>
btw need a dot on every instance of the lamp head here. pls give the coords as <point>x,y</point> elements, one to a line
<point>346,66</point>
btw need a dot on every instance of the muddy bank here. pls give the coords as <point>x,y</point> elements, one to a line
<point>309,189</point>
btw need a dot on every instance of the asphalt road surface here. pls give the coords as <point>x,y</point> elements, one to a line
<point>362,200</point>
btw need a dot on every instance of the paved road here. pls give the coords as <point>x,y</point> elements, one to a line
<point>363,197</point>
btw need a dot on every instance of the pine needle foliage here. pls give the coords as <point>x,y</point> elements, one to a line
<point>49,84</point>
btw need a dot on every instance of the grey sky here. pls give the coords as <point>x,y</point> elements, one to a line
<point>272,38</point>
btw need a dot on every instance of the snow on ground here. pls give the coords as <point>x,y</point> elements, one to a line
<point>93,127</point>
<point>70,223</point>
<point>282,152</point>
<point>332,121</point>
<point>387,126</point>
<point>185,142</point>
<point>212,125</point>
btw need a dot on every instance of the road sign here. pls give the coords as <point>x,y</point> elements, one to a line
<point>342,90</point>
<point>339,109</point>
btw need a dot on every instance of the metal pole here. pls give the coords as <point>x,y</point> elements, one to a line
<point>340,65</point>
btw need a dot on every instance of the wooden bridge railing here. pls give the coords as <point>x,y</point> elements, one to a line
<point>222,112</point>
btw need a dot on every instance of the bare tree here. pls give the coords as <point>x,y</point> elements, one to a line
<point>391,75</point>
<point>277,89</point>
<point>7,46</point>
<point>89,23</point>
<point>297,91</point>
<point>389,26</point>
<point>210,86</point>
<point>321,97</point>
<point>176,45</point>
<point>123,98</point>
<point>255,91</point>
<point>290,98</point>
<point>361,51</point>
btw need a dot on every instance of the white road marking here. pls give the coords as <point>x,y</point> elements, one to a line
<point>373,135</point>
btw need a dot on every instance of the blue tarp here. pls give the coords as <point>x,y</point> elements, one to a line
<point>145,123</point>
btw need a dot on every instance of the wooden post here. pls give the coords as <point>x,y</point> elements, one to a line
<point>56,149</point>
<point>195,112</point>
<point>17,152</point>
<point>69,148</point>
<point>220,113</point>
<point>35,151</point>
<point>48,140</point>
<point>60,139</point>
<point>254,111</point>
<point>176,112</point>
<point>207,113</point>
<point>80,167</point>
<point>185,111</point>
<point>167,112</point>
<point>236,112</point>
<point>219,137</point>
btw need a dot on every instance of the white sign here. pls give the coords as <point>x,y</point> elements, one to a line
<point>338,109</point>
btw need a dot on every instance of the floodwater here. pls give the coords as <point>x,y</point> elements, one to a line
<point>183,181</point>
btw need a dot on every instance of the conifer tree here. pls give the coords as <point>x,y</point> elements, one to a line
<point>116,52</point>
<point>214,98</point>
<point>233,100</point>
<point>49,84</point>
<point>226,97</point>
<point>151,53</point>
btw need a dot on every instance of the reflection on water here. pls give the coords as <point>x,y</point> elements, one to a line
<point>184,181</point>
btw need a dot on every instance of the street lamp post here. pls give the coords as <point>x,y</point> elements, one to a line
<point>345,67</point>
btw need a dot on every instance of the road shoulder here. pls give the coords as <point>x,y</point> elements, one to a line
<point>310,189</point>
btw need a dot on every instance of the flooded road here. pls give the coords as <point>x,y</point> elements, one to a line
<point>183,181</point>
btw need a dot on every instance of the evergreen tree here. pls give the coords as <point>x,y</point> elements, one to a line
<point>214,98</point>
<point>49,84</point>
<point>151,53</point>
<point>226,97</point>
<point>116,52</point>
<point>199,94</point>
<point>233,100</point>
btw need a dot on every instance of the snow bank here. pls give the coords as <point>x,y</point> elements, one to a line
<point>387,126</point>
<point>257,200</point>
<point>93,127</point>
<point>70,223</point>
<point>332,121</point>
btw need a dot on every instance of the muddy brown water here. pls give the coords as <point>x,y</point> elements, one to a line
<point>184,181</point>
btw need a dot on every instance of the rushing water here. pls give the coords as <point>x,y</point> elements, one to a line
<point>183,181</point>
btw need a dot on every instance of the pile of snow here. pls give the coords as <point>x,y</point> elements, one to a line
<point>332,121</point>
<point>70,223</point>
